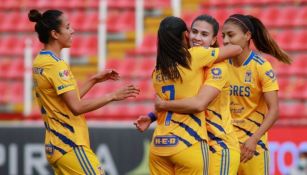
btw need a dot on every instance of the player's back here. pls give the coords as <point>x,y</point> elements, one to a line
<point>176,132</point>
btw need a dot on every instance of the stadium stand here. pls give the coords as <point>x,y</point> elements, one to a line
<point>286,20</point>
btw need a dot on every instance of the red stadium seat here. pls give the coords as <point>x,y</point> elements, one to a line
<point>147,67</point>
<point>148,46</point>
<point>84,45</point>
<point>14,93</point>
<point>10,5</point>
<point>121,21</point>
<point>270,16</point>
<point>11,45</point>
<point>287,16</point>
<point>298,67</point>
<point>300,89</point>
<point>16,70</point>
<point>189,17</point>
<point>283,88</point>
<point>121,4</point>
<point>10,20</point>
<point>147,90</point>
<point>4,67</point>
<point>299,40</point>
<point>113,64</point>
<point>84,21</point>
<point>3,88</point>
<point>301,17</point>
<point>292,110</point>
<point>284,39</point>
<point>157,4</point>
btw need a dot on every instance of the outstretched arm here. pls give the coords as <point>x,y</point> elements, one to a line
<point>228,51</point>
<point>80,106</point>
<point>194,104</point>
<point>107,74</point>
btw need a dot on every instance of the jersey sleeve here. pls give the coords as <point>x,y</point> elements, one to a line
<point>216,76</point>
<point>204,57</point>
<point>60,77</point>
<point>267,78</point>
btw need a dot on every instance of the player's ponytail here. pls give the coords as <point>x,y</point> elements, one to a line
<point>260,36</point>
<point>265,43</point>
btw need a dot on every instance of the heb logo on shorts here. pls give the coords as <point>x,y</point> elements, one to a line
<point>165,141</point>
<point>64,74</point>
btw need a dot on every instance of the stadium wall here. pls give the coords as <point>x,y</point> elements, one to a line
<point>121,149</point>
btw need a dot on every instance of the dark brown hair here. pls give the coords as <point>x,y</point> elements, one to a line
<point>260,36</point>
<point>171,50</point>
<point>45,23</point>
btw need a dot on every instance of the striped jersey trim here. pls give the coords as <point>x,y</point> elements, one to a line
<point>84,162</point>
<point>205,154</point>
<point>47,52</point>
<point>225,162</point>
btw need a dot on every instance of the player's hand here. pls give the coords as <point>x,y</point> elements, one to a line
<point>159,103</point>
<point>142,123</point>
<point>248,149</point>
<point>125,92</point>
<point>107,74</point>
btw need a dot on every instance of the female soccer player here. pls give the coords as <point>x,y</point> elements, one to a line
<point>214,99</point>
<point>253,90</point>
<point>179,74</point>
<point>67,140</point>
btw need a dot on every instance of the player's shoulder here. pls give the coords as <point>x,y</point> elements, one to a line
<point>50,57</point>
<point>201,49</point>
<point>221,65</point>
<point>258,59</point>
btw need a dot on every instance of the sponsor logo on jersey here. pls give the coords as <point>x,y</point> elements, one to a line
<point>64,74</point>
<point>216,73</point>
<point>64,86</point>
<point>165,141</point>
<point>271,75</point>
<point>37,70</point>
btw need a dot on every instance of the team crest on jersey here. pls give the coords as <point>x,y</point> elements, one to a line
<point>248,76</point>
<point>216,73</point>
<point>64,74</point>
<point>271,74</point>
<point>49,149</point>
<point>101,170</point>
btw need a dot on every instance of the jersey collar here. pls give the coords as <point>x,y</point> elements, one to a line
<point>250,57</point>
<point>48,52</point>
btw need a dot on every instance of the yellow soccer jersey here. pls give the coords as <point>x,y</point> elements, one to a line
<point>248,107</point>
<point>52,77</point>
<point>218,117</point>
<point>175,132</point>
